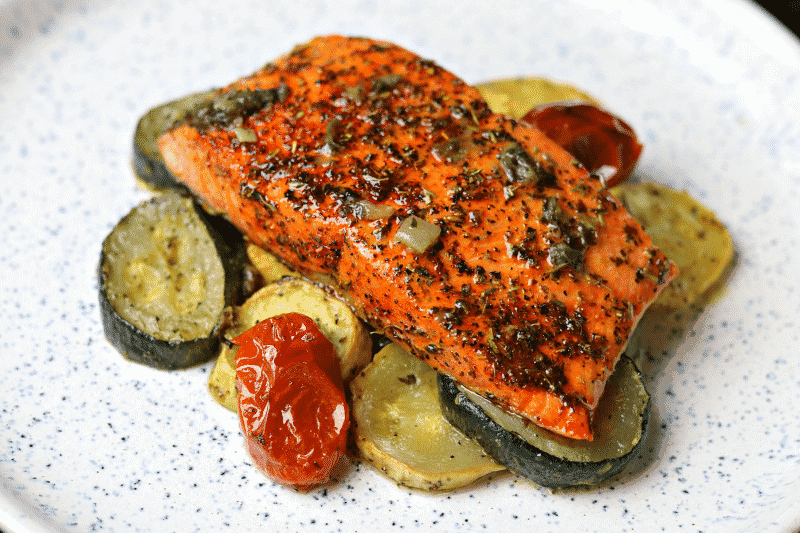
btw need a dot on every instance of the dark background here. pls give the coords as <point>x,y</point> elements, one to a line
<point>786,11</point>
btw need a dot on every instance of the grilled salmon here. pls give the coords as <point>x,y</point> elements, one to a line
<point>466,236</point>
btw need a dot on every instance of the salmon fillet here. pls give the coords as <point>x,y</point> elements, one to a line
<point>529,276</point>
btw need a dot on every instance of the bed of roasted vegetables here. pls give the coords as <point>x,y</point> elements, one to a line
<point>402,420</point>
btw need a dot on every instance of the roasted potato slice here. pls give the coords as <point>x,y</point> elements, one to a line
<point>267,265</point>
<point>688,233</point>
<point>401,431</point>
<point>222,379</point>
<point>516,96</point>
<point>335,319</point>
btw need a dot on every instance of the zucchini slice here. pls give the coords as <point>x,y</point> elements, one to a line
<point>166,273</point>
<point>148,163</point>
<point>547,459</point>
<point>335,319</point>
<point>400,429</point>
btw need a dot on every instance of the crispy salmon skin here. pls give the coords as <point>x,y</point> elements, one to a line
<point>467,237</point>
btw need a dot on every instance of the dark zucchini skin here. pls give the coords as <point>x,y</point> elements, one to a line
<point>148,163</point>
<point>142,347</point>
<point>232,251</point>
<point>524,459</point>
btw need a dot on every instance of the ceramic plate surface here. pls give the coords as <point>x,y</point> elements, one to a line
<point>90,442</point>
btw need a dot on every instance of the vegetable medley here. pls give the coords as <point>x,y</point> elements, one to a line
<point>303,372</point>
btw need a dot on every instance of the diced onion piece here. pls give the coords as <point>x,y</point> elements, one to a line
<point>606,173</point>
<point>368,211</point>
<point>244,135</point>
<point>417,233</point>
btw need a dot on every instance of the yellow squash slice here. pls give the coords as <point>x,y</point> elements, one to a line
<point>689,234</point>
<point>335,319</point>
<point>516,96</point>
<point>401,431</point>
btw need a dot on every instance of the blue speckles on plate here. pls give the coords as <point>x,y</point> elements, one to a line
<point>90,442</point>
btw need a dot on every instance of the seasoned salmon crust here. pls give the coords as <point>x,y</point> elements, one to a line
<point>466,236</point>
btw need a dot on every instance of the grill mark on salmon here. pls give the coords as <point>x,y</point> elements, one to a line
<point>538,275</point>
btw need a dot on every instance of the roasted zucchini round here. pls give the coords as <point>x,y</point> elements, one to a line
<point>166,273</point>
<point>547,459</point>
<point>148,163</point>
<point>400,429</point>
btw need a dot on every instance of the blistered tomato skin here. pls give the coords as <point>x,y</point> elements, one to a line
<point>592,135</point>
<point>292,406</point>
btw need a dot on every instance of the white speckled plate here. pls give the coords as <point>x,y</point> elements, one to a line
<point>91,442</point>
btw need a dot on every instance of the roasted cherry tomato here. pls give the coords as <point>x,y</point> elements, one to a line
<point>292,406</point>
<point>592,135</point>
